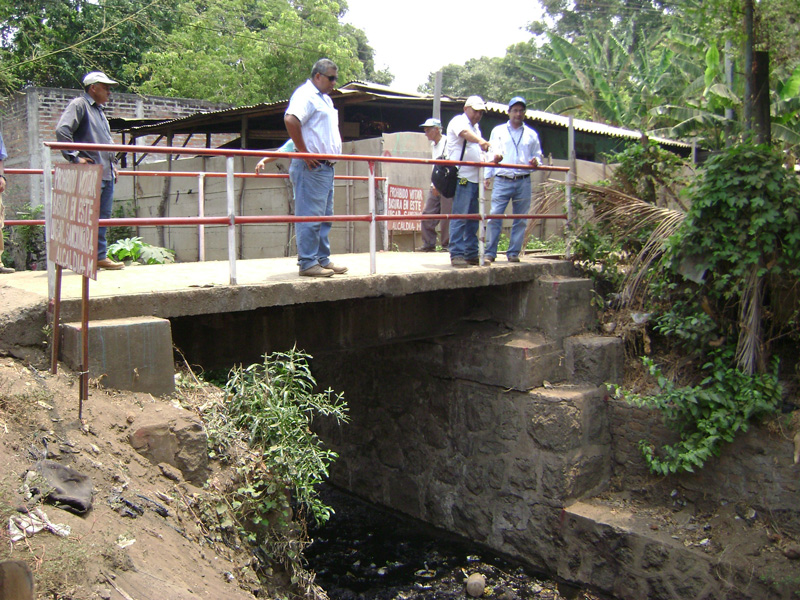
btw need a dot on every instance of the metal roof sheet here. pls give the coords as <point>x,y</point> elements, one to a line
<point>368,91</point>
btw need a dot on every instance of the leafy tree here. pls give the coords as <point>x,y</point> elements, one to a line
<point>247,51</point>
<point>53,43</point>
<point>573,20</point>
<point>496,79</point>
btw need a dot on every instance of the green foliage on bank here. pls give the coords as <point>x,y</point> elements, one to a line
<point>271,406</point>
<point>716,294</point>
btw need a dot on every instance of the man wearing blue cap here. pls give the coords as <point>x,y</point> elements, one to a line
<point>436,204</point>
<point>519,145</point>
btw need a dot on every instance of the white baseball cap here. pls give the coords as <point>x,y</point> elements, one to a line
<point>475,103</point>
<point>432,123</point>
<point>98,77</point>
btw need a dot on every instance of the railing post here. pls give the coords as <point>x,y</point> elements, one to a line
<point>372,222</point>
<point>201,212</point>
<point>47,181</point>
<point>386,212</point>
<point>482,222</point>
<point>568,188</point>
<point>229,188</point>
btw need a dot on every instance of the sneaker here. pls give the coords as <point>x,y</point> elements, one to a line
<point>513,259</point>
<point>109,264</point>
<point>316,271</point>
<point>425,249</point>
<point>473,261</point>
<point>6,270</point>
<point>488,259</point>
<point>337,270</point>
<point>459,262</point>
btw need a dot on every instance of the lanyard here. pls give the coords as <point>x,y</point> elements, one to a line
<point>517,141</point>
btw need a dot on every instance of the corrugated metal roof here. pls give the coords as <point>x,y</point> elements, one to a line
<point>584,126</point>
<point>369,91</point>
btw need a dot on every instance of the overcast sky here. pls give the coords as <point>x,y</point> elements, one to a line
<point>416,37</point>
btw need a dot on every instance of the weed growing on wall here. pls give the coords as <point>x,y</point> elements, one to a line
<point>263,427</point>
<point>706,415</point>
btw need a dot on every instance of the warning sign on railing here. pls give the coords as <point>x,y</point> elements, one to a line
<point>404,200</point>
<point>75,215</point>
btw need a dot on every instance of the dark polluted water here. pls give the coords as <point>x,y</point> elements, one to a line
<point>366,552</point>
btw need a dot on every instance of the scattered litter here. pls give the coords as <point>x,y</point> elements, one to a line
<point>123,541</point>
<point>27,525</point>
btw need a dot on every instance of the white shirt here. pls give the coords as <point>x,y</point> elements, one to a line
<point>518,147</point>
<point>455,143</point>
<point>319,120</point>
<point>438,148</point>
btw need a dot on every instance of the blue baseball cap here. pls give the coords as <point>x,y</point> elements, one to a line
<point>517,100</point>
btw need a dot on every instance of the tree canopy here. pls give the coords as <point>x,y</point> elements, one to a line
<point>238,51</point>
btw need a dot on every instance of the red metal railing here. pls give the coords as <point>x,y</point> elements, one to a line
<point>231,219</point>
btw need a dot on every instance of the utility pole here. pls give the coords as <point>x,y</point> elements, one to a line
<point>748,67</point>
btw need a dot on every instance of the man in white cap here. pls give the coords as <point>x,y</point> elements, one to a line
<point>84,120</point>
<point>465,142</point>
<point>519,145</point>
<point>436,203</point>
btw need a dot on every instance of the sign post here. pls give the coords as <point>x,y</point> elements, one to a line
<point>72,237</point>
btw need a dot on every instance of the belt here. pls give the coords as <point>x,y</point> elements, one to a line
<point>515,177</point>
<point>328,163</point>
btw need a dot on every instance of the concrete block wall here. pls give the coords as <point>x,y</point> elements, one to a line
<point>489,433</point>
<point>757,468</point>
<point>29,117</point>
<point>145,197</point>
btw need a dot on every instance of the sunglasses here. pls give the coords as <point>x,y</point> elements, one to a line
<point>331,78</point>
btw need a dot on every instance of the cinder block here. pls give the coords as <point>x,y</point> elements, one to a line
<point>594,359</point>
<point>127,354</point>
<point>562,306</point>
<point>516,360</point>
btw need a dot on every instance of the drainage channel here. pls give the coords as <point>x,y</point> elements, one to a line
<point>366,552</point>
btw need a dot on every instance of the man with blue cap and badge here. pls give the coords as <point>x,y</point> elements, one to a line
<point>436,204</point>
<point>519,145</point>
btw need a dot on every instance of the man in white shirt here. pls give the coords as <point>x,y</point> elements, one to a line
<point>519,145</point>
<point>436,203</point>
<point>313,125</point>
<point>464,138</point>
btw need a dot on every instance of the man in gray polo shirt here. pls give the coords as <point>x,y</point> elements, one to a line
<point>84,120</point>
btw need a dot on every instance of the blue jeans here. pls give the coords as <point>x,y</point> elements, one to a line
<point>313,197</point>
<point>464,233</point>
<point>106,204</point>
<point>519,192</point>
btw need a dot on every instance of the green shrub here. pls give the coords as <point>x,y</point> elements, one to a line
<point>273,404</point>
<point>134,249</point>
<point>705,415</point>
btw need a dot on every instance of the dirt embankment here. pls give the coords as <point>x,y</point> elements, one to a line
<point>144,536</point>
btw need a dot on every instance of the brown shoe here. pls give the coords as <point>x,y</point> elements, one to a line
<point>337,270</point>
<point>109,264</point>
<point>6,270</point>
<point>316,271</point>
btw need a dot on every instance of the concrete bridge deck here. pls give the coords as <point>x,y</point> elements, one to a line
<point>186,289</point>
